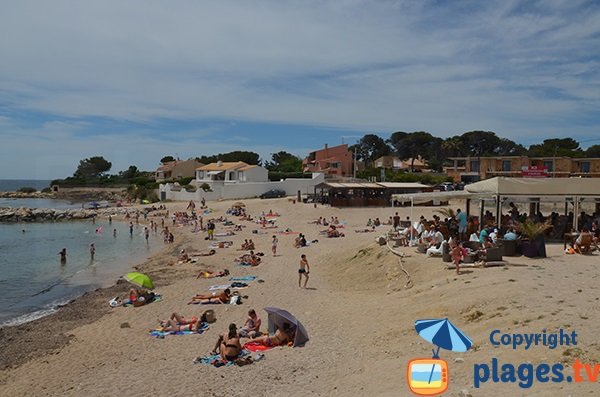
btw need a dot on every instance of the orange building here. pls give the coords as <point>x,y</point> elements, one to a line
<point>336,160</point>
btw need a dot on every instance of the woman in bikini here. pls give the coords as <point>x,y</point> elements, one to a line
<point>223,297</point>
<point>280,338</point>
<point>178,319</point>
<point>174,326</point>
<point>228,345</point>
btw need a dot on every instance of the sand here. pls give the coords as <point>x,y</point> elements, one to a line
<point>358,312</point>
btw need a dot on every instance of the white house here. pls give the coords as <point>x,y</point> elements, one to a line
<point>231,172</point>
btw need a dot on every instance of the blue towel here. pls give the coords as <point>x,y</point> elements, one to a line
<point>245,278</point>
<point>244,264</point>
<point>212,359</point>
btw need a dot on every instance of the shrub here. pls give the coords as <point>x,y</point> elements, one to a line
<point>46,190</point>
<point>205,187</point>
<point>27,190</point>
<point>190,188</point>
<point>186,180</point>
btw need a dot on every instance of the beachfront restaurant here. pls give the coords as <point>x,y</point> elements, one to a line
<point>567,197</point>
<point>351,194</point>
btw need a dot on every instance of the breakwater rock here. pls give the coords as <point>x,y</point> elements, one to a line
<point>18,195</point>
<point>51,215</point>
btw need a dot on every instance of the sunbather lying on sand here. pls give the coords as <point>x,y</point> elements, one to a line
<point>207,274</point>
<point>178,319</point>
<point>366,230</point>
<point>202,253</point>
<point>251,259</point>
<point>175,326</point>
<point>223,297</point>
<point>280,338</point>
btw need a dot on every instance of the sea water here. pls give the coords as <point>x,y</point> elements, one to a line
<point>33,282</point>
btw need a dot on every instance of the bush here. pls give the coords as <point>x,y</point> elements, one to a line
<point>152,197</point>
<point>186,180</point>
<point>206,187</point>
<point>46,190</point>
<point>27,190</point>
<point>190,188</point>
<point>277,175</point>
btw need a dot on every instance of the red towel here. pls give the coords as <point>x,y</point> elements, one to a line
<point>257,347</point>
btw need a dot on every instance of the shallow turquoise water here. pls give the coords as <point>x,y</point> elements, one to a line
<point>32,279</point>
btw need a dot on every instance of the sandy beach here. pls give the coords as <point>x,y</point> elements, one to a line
<point>358,310</point>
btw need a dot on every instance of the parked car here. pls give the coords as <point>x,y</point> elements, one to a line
<point>273,193</point>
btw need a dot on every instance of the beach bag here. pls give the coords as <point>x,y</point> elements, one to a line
<point>209,316</point>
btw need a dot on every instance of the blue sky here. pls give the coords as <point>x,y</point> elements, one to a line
<point>133,81</point>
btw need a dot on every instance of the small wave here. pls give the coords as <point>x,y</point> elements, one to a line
<point>25,318</point>
<point>46,310</point>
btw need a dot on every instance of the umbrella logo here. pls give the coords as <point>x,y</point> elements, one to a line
<point>429,376</point>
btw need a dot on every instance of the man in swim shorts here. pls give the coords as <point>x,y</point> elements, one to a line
<point>303,270</point>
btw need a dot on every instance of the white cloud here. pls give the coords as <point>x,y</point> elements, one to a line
<point>515,67</point>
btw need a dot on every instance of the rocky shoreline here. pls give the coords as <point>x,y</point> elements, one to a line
<point>52,215</point>
<point>74,194</point>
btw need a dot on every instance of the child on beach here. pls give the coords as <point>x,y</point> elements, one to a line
<point>274,245</point>
<point>457,256</point>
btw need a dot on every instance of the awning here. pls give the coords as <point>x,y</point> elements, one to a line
<point>210,173</point>
<point>439,196</point>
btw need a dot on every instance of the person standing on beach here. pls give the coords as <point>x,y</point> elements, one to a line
<point>461,217</point>
<point>63,256</point>
<point>92,251</point>
<point>274,245</point>
<point>110,219</point>
<point>210,227</point>
<point>303,270</point>
<point>396,221</point>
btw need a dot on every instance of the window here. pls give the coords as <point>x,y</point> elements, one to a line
<point>334,165</point>
<point>585,166</point>
<point>200,174</point>
<point>506,165</point>
<point>240,175</point>
<point>475,166</point>
<point>549,165</point>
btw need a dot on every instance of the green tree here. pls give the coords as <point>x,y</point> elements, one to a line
<point>238,155</point>
<point>593,151</point>
<point>284,162</point>
<point>419,143</point>
<point>370,147</point>
<point>130,172</point>
<point>93,167</point>
<point>167,159</point>
<point>567,147</point>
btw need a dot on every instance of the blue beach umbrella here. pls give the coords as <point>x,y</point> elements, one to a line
<point>442,333</point>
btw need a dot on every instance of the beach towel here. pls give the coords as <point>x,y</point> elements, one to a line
<point>244,264</point>
<point>159,333</point>
<point>256,347</point>
<point>219,287</point>
<point>245,278</point>
<point>217,361</point>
